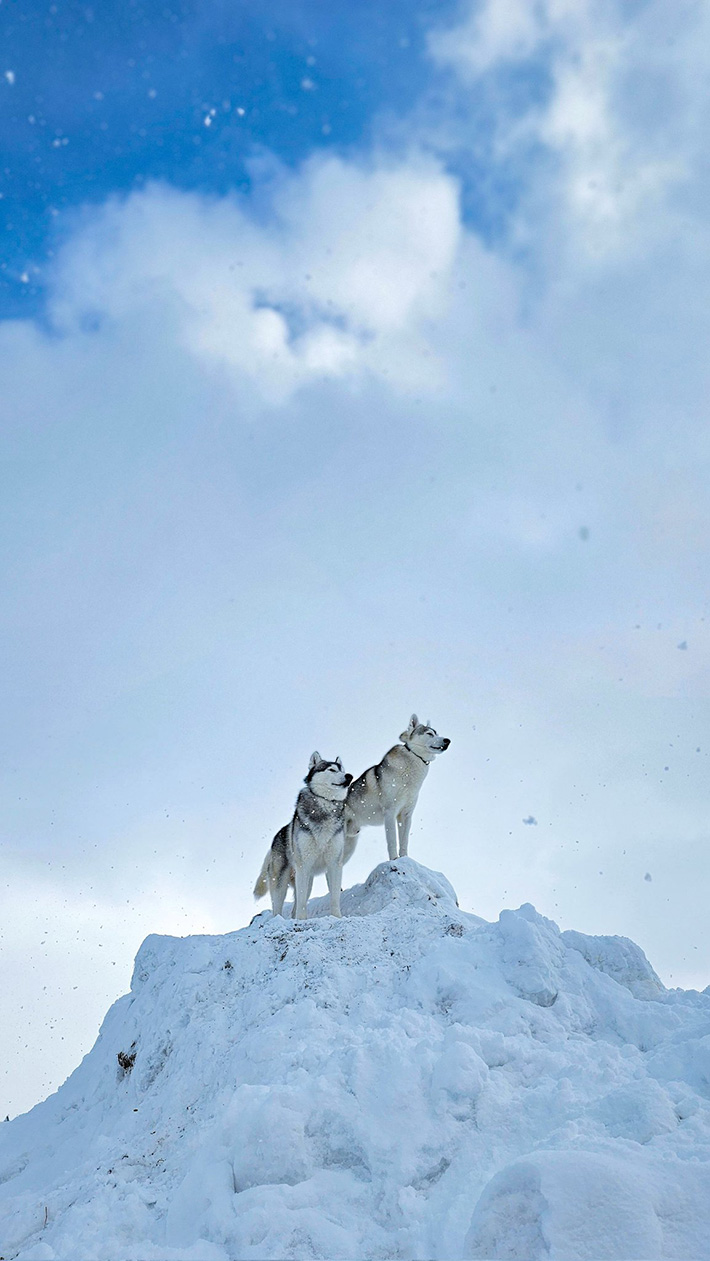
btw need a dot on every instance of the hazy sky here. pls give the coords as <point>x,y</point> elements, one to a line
<point>354,361</point>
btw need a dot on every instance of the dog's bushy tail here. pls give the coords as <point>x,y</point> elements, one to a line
<point>261,888</point>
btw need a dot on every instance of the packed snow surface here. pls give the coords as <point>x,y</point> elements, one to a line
<point>407,1082</point>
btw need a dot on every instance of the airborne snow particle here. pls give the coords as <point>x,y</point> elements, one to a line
<point>683,645</point>
<point>531,820</point>
<point>10,76</point>
<point>648,877</point>
<point>583,533</point>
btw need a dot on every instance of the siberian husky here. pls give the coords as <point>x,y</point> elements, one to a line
<point>313,842</point>
<point>387,793</point>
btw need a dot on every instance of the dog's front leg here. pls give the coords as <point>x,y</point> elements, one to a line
<point>309,888</point>
<point>351,836</point>
<point>404,823</point>
<point>304,883</point>
<point>334,877</point>
<point>391,833</point>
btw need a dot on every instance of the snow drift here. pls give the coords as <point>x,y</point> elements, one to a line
<point>407,1082</point>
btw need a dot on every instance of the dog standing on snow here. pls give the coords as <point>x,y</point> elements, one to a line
<point>313,842</point>
<point>387,793</point>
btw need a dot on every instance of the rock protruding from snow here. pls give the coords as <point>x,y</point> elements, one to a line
<point>408,1081</point>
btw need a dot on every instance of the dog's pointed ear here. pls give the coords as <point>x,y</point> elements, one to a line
<point>411,728</point>
<point>315,759</point>
<point>339,763</point>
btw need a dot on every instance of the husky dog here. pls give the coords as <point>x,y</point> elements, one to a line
<point>387,793</point>
<point>314,841</point>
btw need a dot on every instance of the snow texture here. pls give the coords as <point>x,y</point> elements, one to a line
<point>407,1082</point>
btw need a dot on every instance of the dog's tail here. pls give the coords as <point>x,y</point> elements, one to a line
<point>261,888</point>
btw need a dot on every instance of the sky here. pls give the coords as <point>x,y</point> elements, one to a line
<point>354,362</point>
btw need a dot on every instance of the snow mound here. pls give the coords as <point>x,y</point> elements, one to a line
<point>407,1082</point>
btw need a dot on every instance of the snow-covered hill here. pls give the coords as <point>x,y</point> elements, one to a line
<point>408,1081</point>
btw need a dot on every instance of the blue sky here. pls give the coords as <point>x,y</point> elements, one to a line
<point>106,97</point>
<point>389,393</point>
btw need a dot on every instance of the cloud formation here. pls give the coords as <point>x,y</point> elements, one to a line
<point>621,106</point>
<point>341,276</point>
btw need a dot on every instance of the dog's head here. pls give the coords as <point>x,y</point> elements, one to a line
<point>327,779</point>
<point>423,740</point>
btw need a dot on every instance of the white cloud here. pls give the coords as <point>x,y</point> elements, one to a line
<point>622,118</point>
<point>342,279</point>
<point>495,31</point>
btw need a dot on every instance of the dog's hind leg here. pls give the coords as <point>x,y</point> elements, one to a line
<point>391,834</point>
<point>279,869</point>
<point>279,889</point>
<point>404,823</point>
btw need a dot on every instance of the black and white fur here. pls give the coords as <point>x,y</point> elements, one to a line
<point>387,793</point>
<point>313,842</point>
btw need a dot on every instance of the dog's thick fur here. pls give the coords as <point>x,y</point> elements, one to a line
<point>313,841</point>
<point>387,793</point>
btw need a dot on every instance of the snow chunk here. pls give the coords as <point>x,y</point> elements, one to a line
<point>620,959</point>
<point>638,1111</point>
<point>583,1206</point>
<point>532,954</point>
<point>565,1205</point>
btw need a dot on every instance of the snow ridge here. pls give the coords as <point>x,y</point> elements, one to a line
<point>407,1082</point>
